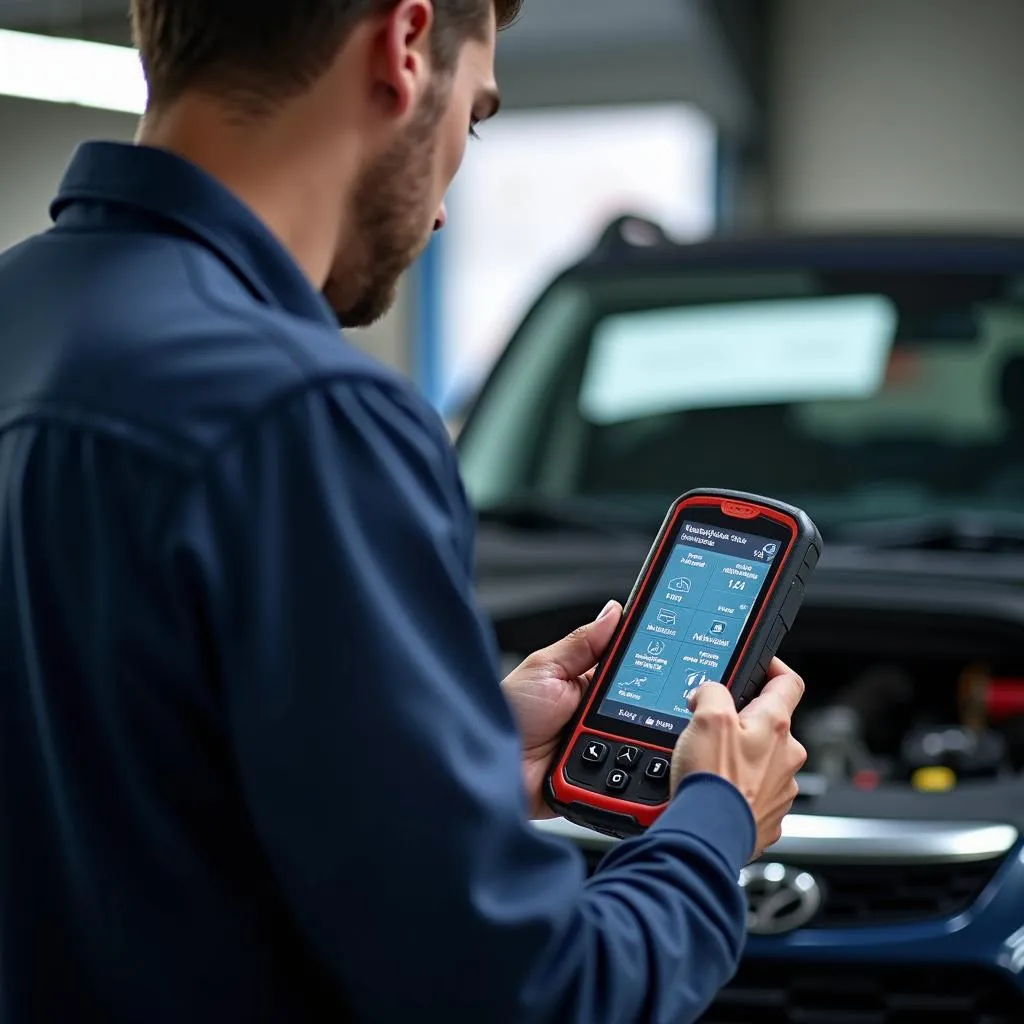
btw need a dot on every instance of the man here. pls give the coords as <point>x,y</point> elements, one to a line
<point>256,763</point>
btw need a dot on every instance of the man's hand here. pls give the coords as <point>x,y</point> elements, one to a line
<point>754,749</point>
<point>545,691</point>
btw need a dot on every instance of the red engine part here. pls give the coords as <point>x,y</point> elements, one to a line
<point>1004,698</point>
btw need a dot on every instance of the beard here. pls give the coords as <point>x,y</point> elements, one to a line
<point>391,218</point>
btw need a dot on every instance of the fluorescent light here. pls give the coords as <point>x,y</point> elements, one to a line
<point>71,71</point>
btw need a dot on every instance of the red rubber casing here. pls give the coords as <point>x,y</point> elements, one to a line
<point>770,620</point>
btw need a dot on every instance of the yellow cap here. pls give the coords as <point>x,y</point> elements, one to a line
<point>935,779</point>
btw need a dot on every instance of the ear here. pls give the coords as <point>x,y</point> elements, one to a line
<point>401,61</point>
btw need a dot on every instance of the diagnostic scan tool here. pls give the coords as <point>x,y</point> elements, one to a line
<point>719,591</point>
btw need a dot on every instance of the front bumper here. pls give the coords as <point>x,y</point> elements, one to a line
<point>959,967</point>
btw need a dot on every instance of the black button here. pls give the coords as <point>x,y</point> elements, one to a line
<point>657,769</point>
<point>617,780</point>
<point>808,567</point>
<point>775,638</point>
<point>793,601</point>
<point>594,752</point>
<point>627,757</point>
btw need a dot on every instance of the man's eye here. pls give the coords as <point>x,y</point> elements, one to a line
<point>473,133</point>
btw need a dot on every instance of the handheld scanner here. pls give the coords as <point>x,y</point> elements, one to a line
<point>720,589</point>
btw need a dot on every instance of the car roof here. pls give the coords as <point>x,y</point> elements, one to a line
<point>634,242</point>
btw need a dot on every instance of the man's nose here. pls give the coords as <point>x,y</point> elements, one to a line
<point>442,218</point>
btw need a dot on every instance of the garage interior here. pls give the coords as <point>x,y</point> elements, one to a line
<point>811,125</point>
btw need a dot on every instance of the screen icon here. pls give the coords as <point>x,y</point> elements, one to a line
<point>656,647</point>
<point>667,617</point>
<point>692,681</point>
<point>637,683</point>
<point>717,627</point>
<point>681,585</point>
<point>770,549</point>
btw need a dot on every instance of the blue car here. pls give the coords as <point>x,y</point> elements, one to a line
<point>877,382</point>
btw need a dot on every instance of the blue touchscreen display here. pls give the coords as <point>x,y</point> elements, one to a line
<point>690,626</point>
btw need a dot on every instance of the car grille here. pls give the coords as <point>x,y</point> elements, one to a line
<point>858,894</point>
<point>781,993</point>
<point>863,894</point>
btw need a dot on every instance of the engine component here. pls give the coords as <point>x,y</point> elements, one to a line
<point>1005,699</point>
<point>933,780</point>
<point>1013,730</point>
<point>866,714</point>
<point>835,747</point>
<point>883,700</point>
<point>985,699</point>
<point>969,754</point>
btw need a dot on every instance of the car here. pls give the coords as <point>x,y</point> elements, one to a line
<point>877,381</point>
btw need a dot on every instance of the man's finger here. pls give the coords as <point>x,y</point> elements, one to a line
<point>581,650</point>
<point>711,697</point>
<point>778,668</point>
<point>785,688</point>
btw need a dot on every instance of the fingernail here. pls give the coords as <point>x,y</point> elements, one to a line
<point>606,611</point>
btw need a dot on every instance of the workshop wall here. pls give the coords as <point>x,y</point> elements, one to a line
<point>42,138</point>
<point>45,136</point>
<point>898,112</point>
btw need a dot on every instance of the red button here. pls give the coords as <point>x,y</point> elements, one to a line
<point>740,511</point>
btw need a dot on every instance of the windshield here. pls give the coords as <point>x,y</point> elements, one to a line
<point>855,395</point>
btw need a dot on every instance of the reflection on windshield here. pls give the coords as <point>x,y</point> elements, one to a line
<point>916,406</point>
<point>737,353</point>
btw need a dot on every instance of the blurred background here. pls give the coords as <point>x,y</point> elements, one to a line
<point>708,115</point>
<point>771,245</point>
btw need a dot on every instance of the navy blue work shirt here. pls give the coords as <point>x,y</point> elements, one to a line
<point>255,763</point>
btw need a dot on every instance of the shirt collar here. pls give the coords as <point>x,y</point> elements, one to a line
<point>153,181</point>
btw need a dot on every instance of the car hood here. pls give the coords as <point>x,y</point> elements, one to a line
<point>528,572</point>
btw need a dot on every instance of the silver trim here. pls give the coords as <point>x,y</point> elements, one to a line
<point>822,839</point>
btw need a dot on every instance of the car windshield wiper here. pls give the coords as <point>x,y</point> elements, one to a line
<point>541,514</point>
<point>954,531</point>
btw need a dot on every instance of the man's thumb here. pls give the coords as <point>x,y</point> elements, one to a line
<point>581,650</point>
<point>602,628</point>
<point>710,696</point>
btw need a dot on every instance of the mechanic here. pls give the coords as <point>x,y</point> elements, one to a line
<point>256,761</point>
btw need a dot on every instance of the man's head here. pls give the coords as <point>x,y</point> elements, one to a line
<point>396,85</point>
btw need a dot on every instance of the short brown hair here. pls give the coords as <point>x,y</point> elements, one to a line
<point>263,52</point>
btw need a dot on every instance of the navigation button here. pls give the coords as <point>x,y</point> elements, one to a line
<point>657,769</point>
<point>792,605</point>
<point>617,780</point>
<point>627,757</point>
<point>775,638</point>
<point>594,752</point>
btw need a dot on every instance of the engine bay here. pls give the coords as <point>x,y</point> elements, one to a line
<point>923,701</point>
<point>926,726</point>
<point>899,704</point>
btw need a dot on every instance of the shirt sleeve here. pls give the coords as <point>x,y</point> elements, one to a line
<point>380,763</point>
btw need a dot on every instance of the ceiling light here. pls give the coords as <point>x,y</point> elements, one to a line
<point>72,71</point>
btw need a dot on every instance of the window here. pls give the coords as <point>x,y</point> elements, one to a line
<point>532,197</point>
